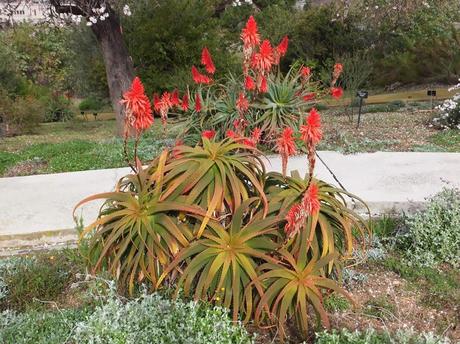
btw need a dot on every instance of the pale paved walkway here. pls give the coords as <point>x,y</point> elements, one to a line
<point>42,203</point>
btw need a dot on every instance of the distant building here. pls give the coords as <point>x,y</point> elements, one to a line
<point>22,11</point>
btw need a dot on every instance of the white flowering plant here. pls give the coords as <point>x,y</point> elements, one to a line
<point>449,112</point>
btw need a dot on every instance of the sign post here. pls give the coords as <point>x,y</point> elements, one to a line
<point>361,95</point>
<point>431,94</point>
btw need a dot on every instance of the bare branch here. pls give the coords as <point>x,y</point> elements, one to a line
<point>67,9</point>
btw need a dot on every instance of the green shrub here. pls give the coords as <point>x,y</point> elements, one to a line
<point>91,103</point>
<point>433,234</point>
<point>152,319</point>
<point>58,109</point>
<point>52,327</point>
<point>388,107</point>
<point>371,336</point>
<point>21,115</point>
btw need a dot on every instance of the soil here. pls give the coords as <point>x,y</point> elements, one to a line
<point>388,131</point>
<point>386,302</point>
<point>26,168</point>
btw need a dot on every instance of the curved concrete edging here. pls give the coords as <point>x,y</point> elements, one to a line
<point>34,205</point>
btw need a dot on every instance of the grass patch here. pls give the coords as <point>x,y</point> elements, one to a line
<point>25,281</point>
<point>336,303</point>
<point>448,140</point>
<point>385,226</point>
<point>7,159</point>
<point>78,146</point>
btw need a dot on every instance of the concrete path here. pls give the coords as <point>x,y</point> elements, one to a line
<point>43,203</point>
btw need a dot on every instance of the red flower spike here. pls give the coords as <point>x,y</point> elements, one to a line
<point>184,103</point>
<point>310,201</point>
<point>295,220</point>
<point>208,134</point>
<point>231,134</point>
<point>311,132</point>
<point>263,87</point>
<point>305,71</point>
<point>249,84</point>
<point>336,92</point>
<point>338,69</point>
<point>175,98</point>
<point>156,102</point>
<point>249,142</point>
<point>283,46</point>
<point>206,61</point>
<point>297,215</point>
<point>256,134</point>
<point>197,103</point>
<point>242,104</point>
<point>138,109</point>
<point>286,147</point>
<point>308,97</point>
<point>264,59</point>
<point>199,78</point>
<point>249,34</point>
<point>165,105</point>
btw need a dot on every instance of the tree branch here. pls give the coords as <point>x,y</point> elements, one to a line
<point>68,9</point>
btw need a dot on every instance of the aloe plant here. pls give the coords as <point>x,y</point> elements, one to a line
<point>137,232</point>
<point>223,263</point>
<point>217,176</point>
<point>337,227</point>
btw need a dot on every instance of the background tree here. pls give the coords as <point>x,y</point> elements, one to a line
<point>103,19</point>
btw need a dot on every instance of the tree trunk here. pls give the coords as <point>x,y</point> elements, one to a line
<point>118,64</point>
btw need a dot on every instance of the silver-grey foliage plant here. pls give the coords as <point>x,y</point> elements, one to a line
<point>433,234</point>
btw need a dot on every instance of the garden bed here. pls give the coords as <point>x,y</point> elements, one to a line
<point>390,296</point>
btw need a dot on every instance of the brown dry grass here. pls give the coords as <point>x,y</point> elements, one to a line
<point>387,131</point>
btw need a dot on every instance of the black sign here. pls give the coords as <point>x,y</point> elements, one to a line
<point>362,94</point>
<point>431,93</point>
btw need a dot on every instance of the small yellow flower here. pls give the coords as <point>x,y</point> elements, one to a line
<point>51,257</point>
<point>222,288</point>
<point>217,298</point>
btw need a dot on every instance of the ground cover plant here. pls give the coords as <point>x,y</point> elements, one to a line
<point>400,303</point>
<point>395,289</point>
<point>209,221</point>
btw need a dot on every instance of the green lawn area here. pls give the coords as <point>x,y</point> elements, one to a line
<point>74,146</point>
<point>449,140</point>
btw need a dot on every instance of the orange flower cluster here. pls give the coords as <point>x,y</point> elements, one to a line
<point>286,146</point>
<point>259,57</point>
<point>138,109</point>
<point>297,215</point>
<point>310,134</point>
<point>206,61</point>
<point>251,141</point>
<point>208,134</point>
<point>164,103</point>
